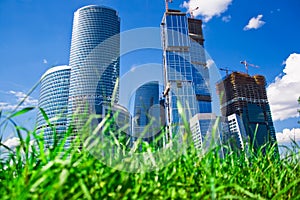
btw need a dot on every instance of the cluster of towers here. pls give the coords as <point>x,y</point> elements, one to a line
<point>89,85</point>
<point>90,81</point>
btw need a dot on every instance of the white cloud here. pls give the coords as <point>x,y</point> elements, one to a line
<point>226,18</point>
<point>254,23</point>
<point>18,97</point>
<point>12,143</point>
<point>29,101</point>
<point>207,8</point>
<point>285,91</point>
<point>45,61</point>
<point>288,135</point>
<point>6,106</point>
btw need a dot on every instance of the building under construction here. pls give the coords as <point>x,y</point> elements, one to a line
<point>200,73</point>
<point>246,96</point>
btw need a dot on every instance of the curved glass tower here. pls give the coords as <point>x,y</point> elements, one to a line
<point>54,101</point>
<point>94,61</point>
<point>146,97</point>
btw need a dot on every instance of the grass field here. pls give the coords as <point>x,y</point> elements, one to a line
<point>33,173</point>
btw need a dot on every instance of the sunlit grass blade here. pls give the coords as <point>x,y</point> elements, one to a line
<point>59,173</point>
<point>21,112</point>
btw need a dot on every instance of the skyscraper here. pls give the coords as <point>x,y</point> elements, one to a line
<point>148,119</point>
<point>186,79</point>
<point>202,123</point>
<point>94,62</point>
<point>177,69</point>
<point>200,71</point>
<point>246,96</point>
<point>54,101</point>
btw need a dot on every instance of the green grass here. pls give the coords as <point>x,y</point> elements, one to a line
<point>32,173</point>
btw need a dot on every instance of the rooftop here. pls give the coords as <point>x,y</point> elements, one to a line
<point>94,6</point>
<point>55,69</point>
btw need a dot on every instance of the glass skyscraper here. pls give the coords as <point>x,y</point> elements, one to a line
<point>186,78</point>
<point>147,121</point>
<point>177,68</point>
<point>200,71</point>
<point>94,62</point>
<point>203,122</point>
<point>53,100</point>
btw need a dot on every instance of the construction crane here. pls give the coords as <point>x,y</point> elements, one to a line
<point>246,64</point>
<point>226,70</point>
<point>191,12</point>
<point>167,4</point>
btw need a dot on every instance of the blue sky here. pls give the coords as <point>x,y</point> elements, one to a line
<point>36,35</point>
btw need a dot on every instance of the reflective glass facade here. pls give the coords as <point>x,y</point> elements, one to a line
<point>200,73</point>
<point>147,120</point>
<point>177,70</point>
<point>54,101</point>
<point>146,97</point>
<point>201,127</point>
<point>94,61</point>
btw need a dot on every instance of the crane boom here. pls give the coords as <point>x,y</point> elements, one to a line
<point>246,64</point>
<point>226,70</point>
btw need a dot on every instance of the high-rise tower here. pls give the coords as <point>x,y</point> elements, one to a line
<point>148,114</point>
<point>186,79</point>
<point>94,61</point>
<point>246,96</point>
<point>202,123</point>
<point>146,97</point>
<point>177,70</point>
<point>200,71</point>
<point>54,101</point>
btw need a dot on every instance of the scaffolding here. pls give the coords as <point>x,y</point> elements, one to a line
<point>246,96</point>
<point>239,89</point>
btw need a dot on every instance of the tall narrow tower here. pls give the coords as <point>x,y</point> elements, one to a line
<point>94,62</point>
<point>201,124</point>
<point>177,70</point>
<point>200,71</point>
